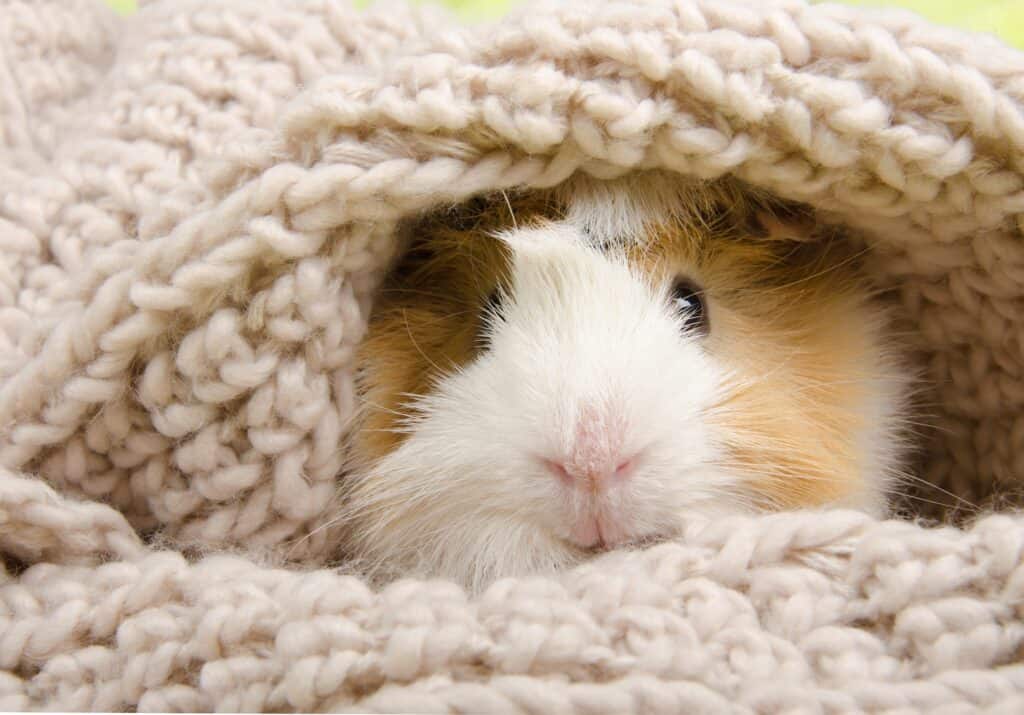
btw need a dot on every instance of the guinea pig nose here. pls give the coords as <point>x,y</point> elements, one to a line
<point>594,459</point>
<point>591,476</point>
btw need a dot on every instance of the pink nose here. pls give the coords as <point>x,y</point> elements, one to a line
<point>595,460</point>
<point>591,477</point>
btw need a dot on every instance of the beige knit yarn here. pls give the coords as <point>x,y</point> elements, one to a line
<point>196,204</point>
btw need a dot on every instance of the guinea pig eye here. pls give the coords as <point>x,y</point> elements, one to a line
<point>489,312</point>
<point>493,304</point>
<point>688,300</point>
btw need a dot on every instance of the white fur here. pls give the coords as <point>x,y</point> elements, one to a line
<point>468,494</point>
<point>624,210</point>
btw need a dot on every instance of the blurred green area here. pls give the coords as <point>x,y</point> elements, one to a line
<point>122,6</point>
<point>469,9</point>
<point>1004,18</point>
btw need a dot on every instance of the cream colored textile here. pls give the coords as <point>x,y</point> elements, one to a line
<point>196,204</point>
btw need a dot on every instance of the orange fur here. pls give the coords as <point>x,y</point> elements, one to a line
<point>793,324</point>
<point>791,316</point>
<point>425,322</point>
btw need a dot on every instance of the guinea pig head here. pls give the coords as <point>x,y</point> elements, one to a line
<point>571,379</point>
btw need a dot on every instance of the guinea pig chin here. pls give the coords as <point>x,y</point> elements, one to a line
<point>584,424</point>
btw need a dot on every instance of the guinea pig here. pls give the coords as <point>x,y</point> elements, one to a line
<point>554,373</point>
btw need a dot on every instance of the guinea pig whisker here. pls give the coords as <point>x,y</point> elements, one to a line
<point>389,410</point>
<point>454,524</point>
<point>916,428</point>
<point>511,213</point>
<point>411,494</point>
<point>923,500</point>
<point>412,338</point>
<point>786,475</point>
<point>401,290</point>
<point>736,494</point>
<point>442,319</point>
<point>832,267</point>
<point>333,521</point>
<point>734,387</point>
<point>389,430</point>
<point>908,476</point>
<point>762,291</point>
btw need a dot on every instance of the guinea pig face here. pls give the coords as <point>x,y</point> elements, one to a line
<point>576,378</point>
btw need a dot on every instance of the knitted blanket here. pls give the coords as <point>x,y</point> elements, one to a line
<point>196,204</point>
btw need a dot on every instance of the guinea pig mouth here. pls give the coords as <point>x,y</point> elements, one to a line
<point>602,547</point>
<point>599,538</point>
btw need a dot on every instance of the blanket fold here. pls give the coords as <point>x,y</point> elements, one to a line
<point>197,203</point>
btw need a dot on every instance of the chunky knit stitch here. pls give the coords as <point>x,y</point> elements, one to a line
<point>196,204</point>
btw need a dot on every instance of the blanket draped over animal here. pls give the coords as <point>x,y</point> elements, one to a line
<point>196,204</point>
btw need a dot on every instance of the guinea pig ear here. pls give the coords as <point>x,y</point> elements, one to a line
<point>788,226</point>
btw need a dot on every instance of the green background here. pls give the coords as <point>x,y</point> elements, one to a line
<point>1005,18</point>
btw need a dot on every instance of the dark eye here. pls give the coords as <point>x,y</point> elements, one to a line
<point>493,304</point>
<point>489,313</point>
<point>688,300</point>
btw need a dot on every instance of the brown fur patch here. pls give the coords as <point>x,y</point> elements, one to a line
<point>790,319</point>
<point>788,308</point>
<point>429,312</point>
